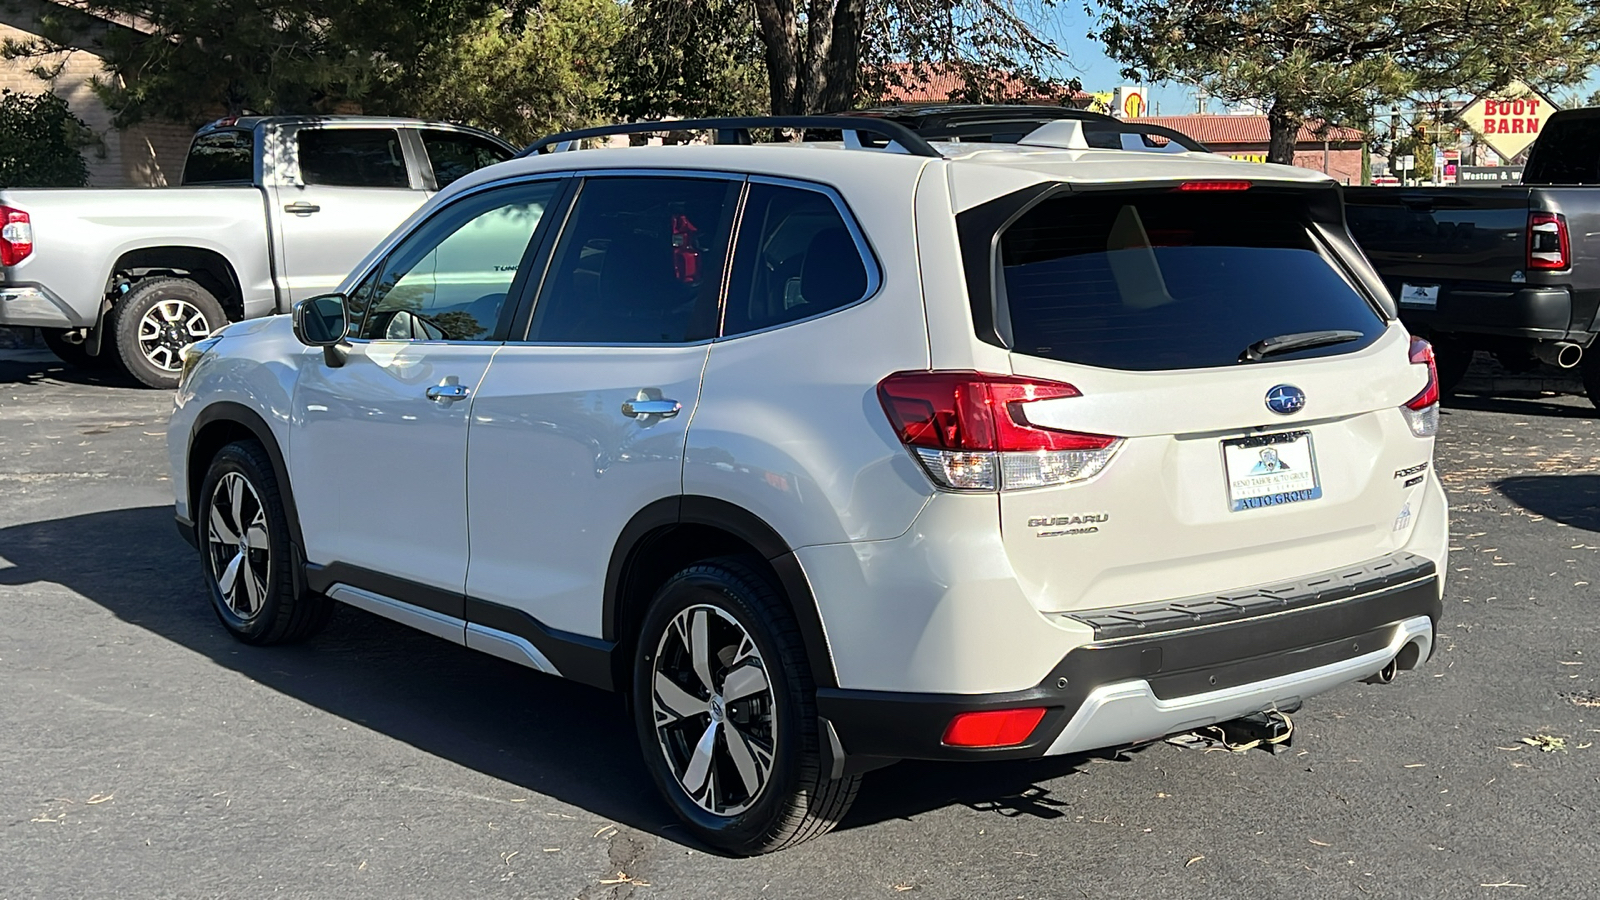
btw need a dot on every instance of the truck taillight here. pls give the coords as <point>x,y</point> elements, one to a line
<point>16,236</point>
<point>971,431</point>
<point>1422,411</point>
<point>1547,241</point>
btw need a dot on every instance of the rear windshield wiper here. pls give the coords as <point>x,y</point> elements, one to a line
<point>1300,340</point>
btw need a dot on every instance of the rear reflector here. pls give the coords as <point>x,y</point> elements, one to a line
<point>1548,244</point>
<point>1422,411</point>
<point>16,236</point>
<point>1214,186</point>
<point>971,431</point>
<point>993,728</point>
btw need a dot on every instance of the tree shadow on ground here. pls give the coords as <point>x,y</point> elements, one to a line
<point>554,737</point>
<point>1572,500</point>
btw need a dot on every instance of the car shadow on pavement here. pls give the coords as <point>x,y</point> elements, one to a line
<point>1520,404</point>
<point>557,738</point>
<point>38,366</point>
<point>1572,500</point>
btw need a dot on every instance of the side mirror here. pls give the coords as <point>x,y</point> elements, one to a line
<point>322,322</point>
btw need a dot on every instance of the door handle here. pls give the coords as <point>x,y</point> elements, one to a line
<point>301,208</point>
<point>649,406</point>
<point>448,393</point>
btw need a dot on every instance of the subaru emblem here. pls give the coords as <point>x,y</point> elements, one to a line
<point>1285,399</point>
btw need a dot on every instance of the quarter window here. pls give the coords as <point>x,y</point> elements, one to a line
<point>352,157</point>
<point>454,154</point>
<point>795,259</point>
<point>451,278</point>
<point>640,262</point>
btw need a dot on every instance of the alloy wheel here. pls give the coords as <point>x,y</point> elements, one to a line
<point>237,545</point>
<point>166,328</point>
<point>715,718</point>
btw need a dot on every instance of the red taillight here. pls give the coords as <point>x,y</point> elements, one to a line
<point>1214,186</point>
<point>16,236</point>
<point>1548,244</point>
<point>973,411</point>
<point>1422,355</point>
<point>993,728</point>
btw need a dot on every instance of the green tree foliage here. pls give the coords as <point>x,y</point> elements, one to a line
<point>193,60</point>
<point>688,59</point>
<point>40,140</point>
<point>1336,59</point>
<point>699,57</point>
<point>521,73</point>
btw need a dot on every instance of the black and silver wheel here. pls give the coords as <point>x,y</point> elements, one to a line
<point>156,320</point>
<point>244,540</point>
<point>726,712</point>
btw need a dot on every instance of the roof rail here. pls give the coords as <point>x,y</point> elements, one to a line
<point>737,131</point>
<point>1001,123</point>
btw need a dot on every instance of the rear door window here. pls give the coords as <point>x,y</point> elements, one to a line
<point>1166,279</point>
<point>639,262</point>
<point>796,258</point>
<point>352,157</point>
<point>221,157</point>
<point>453,154</point>
<point>1567,153</point>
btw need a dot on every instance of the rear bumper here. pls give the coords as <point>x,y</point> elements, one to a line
<point>1526,313</point>
<point>33,305</point>
<point>1169,667</point>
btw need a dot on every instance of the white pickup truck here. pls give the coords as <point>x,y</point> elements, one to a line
<point>272,210</point>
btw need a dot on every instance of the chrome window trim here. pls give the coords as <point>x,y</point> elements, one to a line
<point>869,258</point>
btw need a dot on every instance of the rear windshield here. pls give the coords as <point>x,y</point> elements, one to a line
<point>221,157</point>
<point>1567,153</point>
<point>1173,280</point>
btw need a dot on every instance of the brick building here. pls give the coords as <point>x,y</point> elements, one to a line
<point>149,154</point>
<point>1336,151</point>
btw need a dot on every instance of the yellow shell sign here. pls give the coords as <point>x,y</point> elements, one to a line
<point>1509,120</point>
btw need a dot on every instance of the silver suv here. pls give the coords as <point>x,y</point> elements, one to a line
<point>835,453</point>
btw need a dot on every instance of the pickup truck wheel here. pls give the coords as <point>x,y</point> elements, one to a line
<point>1590,368</point>
<point>726,712</point>
<point>70,353</point>
<point>156,320</point>
<point>244,539</point>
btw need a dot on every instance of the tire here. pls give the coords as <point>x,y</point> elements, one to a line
<point>1590,369</point>
<point>70,353</point>
<point>1453,359</point>
<point>154,321</point>
<point>751,637</point>
<point>258,602</point>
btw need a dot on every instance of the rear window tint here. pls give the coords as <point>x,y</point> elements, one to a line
<point>1149,281</point>
<point>795,259</point>
<point>1567,153</point>
<point>221,157</point>
<point>352,157</point>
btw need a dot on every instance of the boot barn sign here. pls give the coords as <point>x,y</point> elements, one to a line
<point>1508,120</point>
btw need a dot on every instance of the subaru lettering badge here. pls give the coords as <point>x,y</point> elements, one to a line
<point>1285,399</point>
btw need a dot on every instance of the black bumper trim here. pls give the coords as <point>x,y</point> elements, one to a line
<point>1177,662</point>
<point>1211,609</point>
<point>186,530</point>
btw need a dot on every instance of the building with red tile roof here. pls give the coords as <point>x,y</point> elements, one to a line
<point>1335,150</point>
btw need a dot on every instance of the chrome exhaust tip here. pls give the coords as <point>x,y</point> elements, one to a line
<point>1561,354</point>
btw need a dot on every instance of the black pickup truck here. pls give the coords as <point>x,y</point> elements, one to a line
<point>1514,270</point>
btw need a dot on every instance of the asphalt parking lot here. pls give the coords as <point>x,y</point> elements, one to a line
<point>147,754</point>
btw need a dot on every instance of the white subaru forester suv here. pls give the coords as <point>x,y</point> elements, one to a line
<point>837,453</point>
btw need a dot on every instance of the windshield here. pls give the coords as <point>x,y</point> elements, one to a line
<point>1173,280</point>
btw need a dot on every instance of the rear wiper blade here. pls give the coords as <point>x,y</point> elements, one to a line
<point>1300,340</point>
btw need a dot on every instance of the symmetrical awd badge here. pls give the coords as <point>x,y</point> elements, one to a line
<point>1284,399</point>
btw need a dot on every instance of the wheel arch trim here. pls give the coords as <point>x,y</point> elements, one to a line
<point>233,413</point>
<point>661,516</point>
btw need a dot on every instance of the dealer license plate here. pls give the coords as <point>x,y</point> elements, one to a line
<point>1270,470</point>
<point>1423,295</point>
